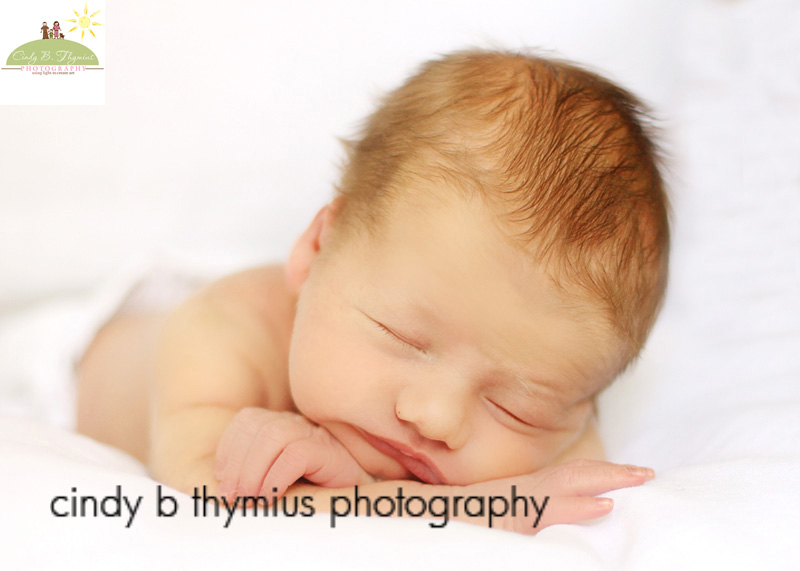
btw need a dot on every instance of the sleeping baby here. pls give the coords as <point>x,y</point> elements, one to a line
<point>495,256</point>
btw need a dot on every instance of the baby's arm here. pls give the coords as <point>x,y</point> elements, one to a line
<point>264,453</point>
<point>219,353</point>
<point>564,494</point>
<point>220,356</point>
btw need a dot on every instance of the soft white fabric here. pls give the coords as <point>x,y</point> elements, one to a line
<point>41,346</point>
<point>738,511</point>
<point>713,406</point>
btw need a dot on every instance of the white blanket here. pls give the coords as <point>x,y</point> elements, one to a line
<point>713,405</point>
<point>725,497</point>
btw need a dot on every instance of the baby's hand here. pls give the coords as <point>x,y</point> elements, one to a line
<point>570,487</point>
<point>263,449</point>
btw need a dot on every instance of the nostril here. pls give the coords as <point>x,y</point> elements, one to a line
<point>398,413</point>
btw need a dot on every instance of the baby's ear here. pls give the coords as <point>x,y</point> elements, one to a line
<point>308,245</point>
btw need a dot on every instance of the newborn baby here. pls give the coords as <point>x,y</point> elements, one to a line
<point>495,256</point>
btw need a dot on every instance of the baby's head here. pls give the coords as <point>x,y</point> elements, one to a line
<point>496,255</point>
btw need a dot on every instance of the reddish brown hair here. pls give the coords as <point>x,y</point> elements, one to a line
<point>563,155</point>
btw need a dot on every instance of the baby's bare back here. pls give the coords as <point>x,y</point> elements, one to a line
<point>116,375</point>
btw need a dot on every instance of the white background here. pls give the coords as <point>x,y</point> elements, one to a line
<point>218,136</point>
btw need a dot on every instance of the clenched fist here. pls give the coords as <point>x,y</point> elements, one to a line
<point>262,449</point>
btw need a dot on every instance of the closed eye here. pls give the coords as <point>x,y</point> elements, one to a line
<point>510,414</point>
<point>396,338</point>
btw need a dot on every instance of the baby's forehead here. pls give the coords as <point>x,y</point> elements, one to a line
<point>448,273</point>
<point>478,228</point>
<point>470,227</point>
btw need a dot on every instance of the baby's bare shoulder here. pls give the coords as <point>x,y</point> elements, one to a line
<point>258,294</point>
<point>263,287</point>
<point>245,320</point>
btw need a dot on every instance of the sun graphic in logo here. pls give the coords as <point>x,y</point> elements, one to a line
<point>84,21</point>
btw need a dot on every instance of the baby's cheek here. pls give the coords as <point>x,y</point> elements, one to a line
<point>301,385</point>
<point>306,398</point>
<point>498,453</point>
<point>314,388</point>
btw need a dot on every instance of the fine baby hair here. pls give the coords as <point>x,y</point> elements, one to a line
<point>562,156</point>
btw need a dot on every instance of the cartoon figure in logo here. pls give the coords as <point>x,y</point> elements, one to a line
<point>60,36</point>
<point>45,28</point>
<point>51,34</point>
<point>56,29</point>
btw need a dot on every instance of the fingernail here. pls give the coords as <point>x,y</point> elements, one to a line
<point>605,503</point>
<point>646,473</point>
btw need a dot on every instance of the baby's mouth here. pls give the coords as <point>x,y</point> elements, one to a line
<point>413,461</point>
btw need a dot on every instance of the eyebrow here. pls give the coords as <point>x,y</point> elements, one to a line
<point>421,310</point>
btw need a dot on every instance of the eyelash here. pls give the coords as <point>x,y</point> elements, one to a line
<point>395,338</point>
<point>510,415</point>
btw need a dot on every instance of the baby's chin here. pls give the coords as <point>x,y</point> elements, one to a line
<point>378,465</point>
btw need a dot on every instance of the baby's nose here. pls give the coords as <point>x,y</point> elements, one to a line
<point>436,414</point>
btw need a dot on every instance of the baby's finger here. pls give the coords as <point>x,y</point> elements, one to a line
<point>555,511</point>
<point>590,478</point>
<point>288,467</point>
<point>235,438</point>
<point>269,444</point>
<point>231,451</point>
<point>263,436</point>
<point>321,460</point>
<point>334,466</point>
